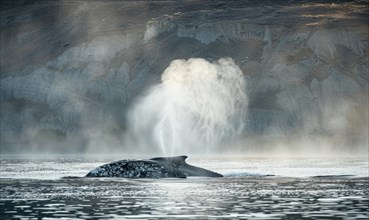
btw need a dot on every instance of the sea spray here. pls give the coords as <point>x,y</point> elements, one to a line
<point>197,107</point>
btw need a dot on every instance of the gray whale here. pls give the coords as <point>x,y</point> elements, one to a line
<point>159,167</point>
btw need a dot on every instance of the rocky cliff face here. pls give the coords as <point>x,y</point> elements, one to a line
<point>70,70</point>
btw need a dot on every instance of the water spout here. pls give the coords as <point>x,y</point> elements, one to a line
<point>197,106</point>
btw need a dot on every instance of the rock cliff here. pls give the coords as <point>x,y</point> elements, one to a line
<point>71,69</point>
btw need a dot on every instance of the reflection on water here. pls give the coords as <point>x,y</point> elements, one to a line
<point>253,196</point>
<point>192,198</point>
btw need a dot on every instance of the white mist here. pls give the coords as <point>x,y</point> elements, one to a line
<point>197,107</point>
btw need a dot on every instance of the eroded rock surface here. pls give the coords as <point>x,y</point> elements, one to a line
<point>72,68</point>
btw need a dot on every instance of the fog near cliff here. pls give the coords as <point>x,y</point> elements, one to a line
<point>76,77</point>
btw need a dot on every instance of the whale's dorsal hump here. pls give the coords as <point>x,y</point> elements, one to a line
<point>176,160</point>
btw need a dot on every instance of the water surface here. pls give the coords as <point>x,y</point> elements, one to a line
<point>254,188</point>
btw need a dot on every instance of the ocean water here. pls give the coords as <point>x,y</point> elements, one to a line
<point>253,188</point>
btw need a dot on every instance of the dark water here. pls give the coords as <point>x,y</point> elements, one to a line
<point>49,194</point>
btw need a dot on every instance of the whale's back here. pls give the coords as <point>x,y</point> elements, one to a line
<point>129,169</point>
<point>158,167</point>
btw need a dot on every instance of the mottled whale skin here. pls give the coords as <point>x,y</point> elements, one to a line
<point>159,167</point>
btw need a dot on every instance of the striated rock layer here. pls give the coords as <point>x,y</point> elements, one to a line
<point>70,70</point>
